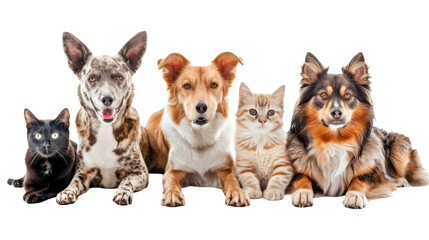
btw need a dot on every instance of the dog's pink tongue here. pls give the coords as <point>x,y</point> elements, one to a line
<point>107,113</point>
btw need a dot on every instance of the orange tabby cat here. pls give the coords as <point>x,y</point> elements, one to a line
<point>261,160</point>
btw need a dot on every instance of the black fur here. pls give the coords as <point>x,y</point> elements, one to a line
<point>50,158</point>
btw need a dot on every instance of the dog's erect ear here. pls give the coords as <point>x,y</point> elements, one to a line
<point>311,70</point>
<point>133,50</point>
<point>172,66</point>
<point>29,118</point>
<point>358,69</point>
<point>278,96</point>
<point>226,63</point>
<point>64,118</point>
<point>244,94</point>
<point>77,53</point>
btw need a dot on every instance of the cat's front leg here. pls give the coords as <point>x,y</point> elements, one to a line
<point>249,182</point>
<point>79,185</point>
<point>280,179</point>
<point>136,179</point>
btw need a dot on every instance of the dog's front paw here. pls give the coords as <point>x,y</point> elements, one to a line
<point>253,192</point>
<point>236,197</point>
<point>355,200</point>
<point>273,194</point>
<point>173,198</point>
<point>302,198</point>
<point>34,197</point>
<point>123,197</point>
<point>66,197</point>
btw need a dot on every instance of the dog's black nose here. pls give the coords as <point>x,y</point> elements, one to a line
<point>107,101</point>
<point>336,113</point>
<point>201,108</point>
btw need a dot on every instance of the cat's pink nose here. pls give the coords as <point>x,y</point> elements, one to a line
<point>262,122</point>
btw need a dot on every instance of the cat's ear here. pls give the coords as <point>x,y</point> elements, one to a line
<point>133,51</point>
<point>29,118</point>
<point>278,96</point>
<point>244,95</point>
<point>63,118</point>
<point>77,53</point>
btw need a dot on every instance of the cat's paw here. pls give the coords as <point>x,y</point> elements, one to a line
<point>302,198</point>
<point>355,200</point>
<point>253,192</point>
<point>273,194</point>
<point>123,197</point>
<point>66,197</point>
<point>173,198</point>
<point>34,197</point>
<point>236,197</point>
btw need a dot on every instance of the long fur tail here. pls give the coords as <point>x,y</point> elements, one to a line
<point>416,175</point>
<point>382,190</point>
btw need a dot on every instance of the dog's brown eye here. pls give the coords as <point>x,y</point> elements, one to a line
<point>213,85</point>
<point>271,113</point>
<point>119,77</point>
<point>347,96</point>
<point>253,112</point>
<point>324,95</point>
<point>187,86</point>
<point>92,79</point>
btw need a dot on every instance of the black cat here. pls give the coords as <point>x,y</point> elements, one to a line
<point>50,159</point>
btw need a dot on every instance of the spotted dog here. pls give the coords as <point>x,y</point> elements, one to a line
<point>110,135</point>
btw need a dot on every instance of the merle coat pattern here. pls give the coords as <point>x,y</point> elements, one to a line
<point>110,135</point>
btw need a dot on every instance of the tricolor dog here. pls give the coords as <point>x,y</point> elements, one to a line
<point>111,138</point>
<point>333,145</point>
<point>191,138</point>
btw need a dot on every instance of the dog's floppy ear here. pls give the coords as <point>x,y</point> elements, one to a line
<point>311,70</point>
<point>29,118</point>
<point>133,51</point>
<point>278,96</point>
<point>226,63</point>
<point>358,69</point>
<point>77,53</point>
<point>172,66</point>
<point>64,118</point>
<point>244,94</point>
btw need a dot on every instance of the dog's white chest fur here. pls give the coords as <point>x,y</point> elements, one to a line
<point>335,171</point>
<point>101,156</point>
<point>198,150</point>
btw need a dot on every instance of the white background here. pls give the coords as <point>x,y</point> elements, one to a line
<point>272,38</point>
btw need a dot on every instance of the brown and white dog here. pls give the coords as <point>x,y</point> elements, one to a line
<point>333,145</point>
<point>111,138</point>
<point>191,139</point>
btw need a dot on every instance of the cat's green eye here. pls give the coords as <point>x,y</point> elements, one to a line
<point>271,113</point>
<point>253,112</point>
<point>55,136</point>
<point>38,136</point>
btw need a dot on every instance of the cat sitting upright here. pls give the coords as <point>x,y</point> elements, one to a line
<point>50,157</point>
<point>261,160</point>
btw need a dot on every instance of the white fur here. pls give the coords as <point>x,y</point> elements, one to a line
<point>101,156</point>
<point>48,168</point>
<point>335,171</point>
<point>198,149</point>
